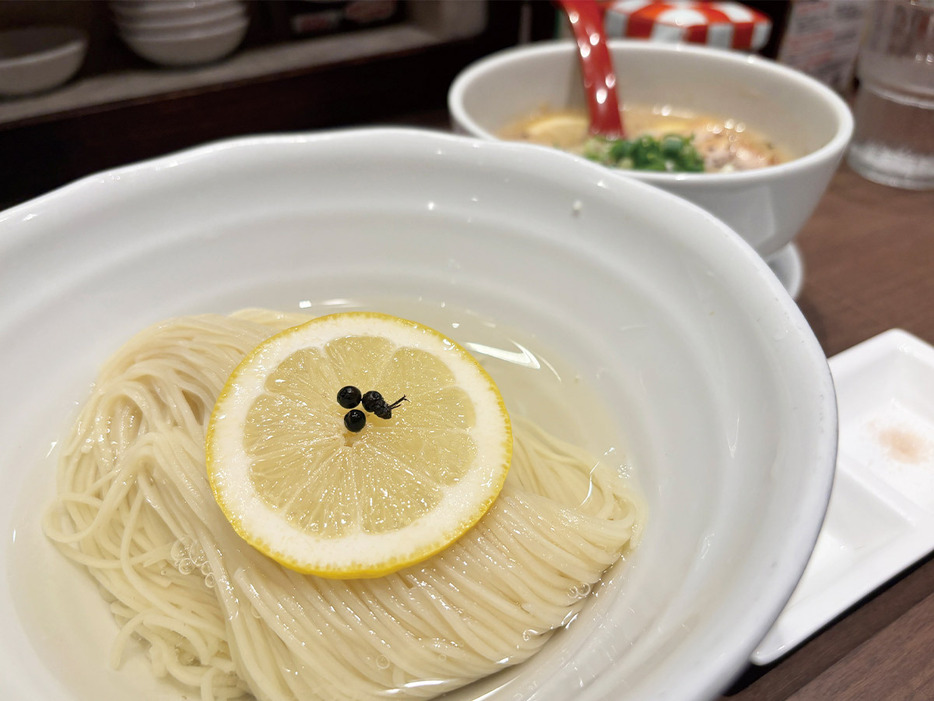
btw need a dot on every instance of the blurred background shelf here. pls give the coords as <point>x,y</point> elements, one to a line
<point>121,109</point>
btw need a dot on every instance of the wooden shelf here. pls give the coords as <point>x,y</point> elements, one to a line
<point>114,88</point>
<point>136,112</point>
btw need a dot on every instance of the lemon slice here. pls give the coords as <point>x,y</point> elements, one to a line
<point>559,130</point>
<point>300,487</point>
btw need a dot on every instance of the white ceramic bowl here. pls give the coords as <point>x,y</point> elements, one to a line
<point>199,21</point>
<point>187,47</point>
<point>34,59</point>
<point>691,348</point>
<point>767,207</point>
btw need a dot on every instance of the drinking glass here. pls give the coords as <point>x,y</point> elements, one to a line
<point>893,142</point>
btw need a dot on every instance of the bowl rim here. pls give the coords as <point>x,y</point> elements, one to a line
<point>147,8</point>
<point>722,668</point>
<point>182,22</point>
<point>170,35</point>
<point>68,40</point>
<point>829,151</point>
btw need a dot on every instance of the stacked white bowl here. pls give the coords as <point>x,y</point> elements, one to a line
<point>181,32</point>
<point>39,58</point>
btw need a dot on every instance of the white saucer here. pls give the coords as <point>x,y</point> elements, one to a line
<point>881,514</point>
<point>788,268</point>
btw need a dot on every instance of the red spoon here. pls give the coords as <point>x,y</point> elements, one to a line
<point>596,65</point>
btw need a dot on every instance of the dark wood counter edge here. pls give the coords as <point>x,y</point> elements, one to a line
<point>41,156</point>
<point>832,645</point>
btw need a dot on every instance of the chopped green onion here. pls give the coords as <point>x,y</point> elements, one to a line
<point>672,153</point>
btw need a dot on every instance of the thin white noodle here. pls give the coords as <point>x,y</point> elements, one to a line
<point>135,509</point>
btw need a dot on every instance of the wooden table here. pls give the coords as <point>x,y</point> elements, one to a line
<point>869,266</point>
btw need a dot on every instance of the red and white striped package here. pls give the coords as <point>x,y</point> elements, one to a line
<point>727,25</point>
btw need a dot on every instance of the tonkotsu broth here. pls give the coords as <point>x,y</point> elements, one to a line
<point>725,144</point>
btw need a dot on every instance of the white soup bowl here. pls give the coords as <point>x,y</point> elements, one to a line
<point>676,332</point>
<point>768,206</point>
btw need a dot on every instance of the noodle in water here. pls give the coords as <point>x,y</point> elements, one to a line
<point>135,509</point>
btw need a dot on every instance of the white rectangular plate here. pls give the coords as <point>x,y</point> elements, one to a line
<point>881,514</point>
